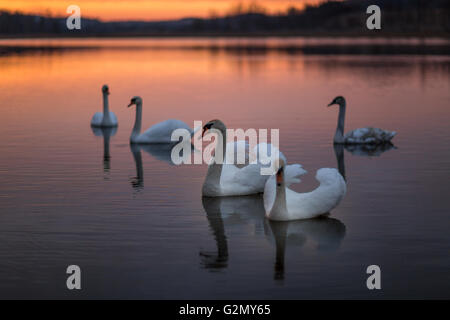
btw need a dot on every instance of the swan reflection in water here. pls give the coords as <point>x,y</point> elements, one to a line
<point>225,212</point>
<point>326,234</point>
<point>364,150</point>
<point>160,151</point>
<point>106,133</point>
<point>229,211</point>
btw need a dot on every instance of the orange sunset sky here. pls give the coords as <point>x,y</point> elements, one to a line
<point>144,9</point>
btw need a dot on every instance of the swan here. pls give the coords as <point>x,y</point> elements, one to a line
<point>158,133</point>
<point>358,136</point>
<point>284,204</point>
<point>106,118</point>
<point>223,179</point>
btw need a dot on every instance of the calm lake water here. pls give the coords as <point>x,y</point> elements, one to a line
<point>138,226</point>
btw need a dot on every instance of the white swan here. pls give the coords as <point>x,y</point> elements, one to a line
<point>284,204</point>
<point>158,133</point>
<point>359,136</point>
<point>106,118</point>
<point>226,179</point>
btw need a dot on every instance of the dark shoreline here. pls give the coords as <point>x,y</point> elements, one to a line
<point>442,50</point>
<point>368,34</point>
<point>396,44</point>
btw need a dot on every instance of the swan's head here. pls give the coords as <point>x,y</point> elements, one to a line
<point>280,164</point>
<point>338,100</point>
<point>135,101</point>
<point>105,89</point>
<point>213,124</point>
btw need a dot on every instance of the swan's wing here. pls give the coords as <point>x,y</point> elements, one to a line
<point>235,148</point>
<point>97,119</point>
<point>320,201</point>
<point>333,184</point>
<point>162,132</point>
<point>261,154</point>
<point>242,181</point>
<point>369,135</point>
<point>302,205</point>
<point>113,118</point>
<point>292,173</point>
<point>384,135</point>
<point>391,134</point>
<point>265,152</point>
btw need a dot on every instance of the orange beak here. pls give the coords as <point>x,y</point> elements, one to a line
<point>279,177</point>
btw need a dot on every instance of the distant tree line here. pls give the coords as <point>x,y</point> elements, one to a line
<point>426,17</point>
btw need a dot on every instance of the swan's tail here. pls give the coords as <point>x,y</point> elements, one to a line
<point>384,135</point>
<point>390,135</point>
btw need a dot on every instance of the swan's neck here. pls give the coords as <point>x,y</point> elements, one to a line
<point>211,186</point>
<point>279,210</point>
<point>339,152</point>
<point>223,132</point>
<point>339,136</point>
<point>106,117</point>
<point>138,122</point>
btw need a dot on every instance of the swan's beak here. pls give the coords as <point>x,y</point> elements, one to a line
<point>280,176</point>
<point>206,127</point>
<point>332,102</point>
<point>131,103</point>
